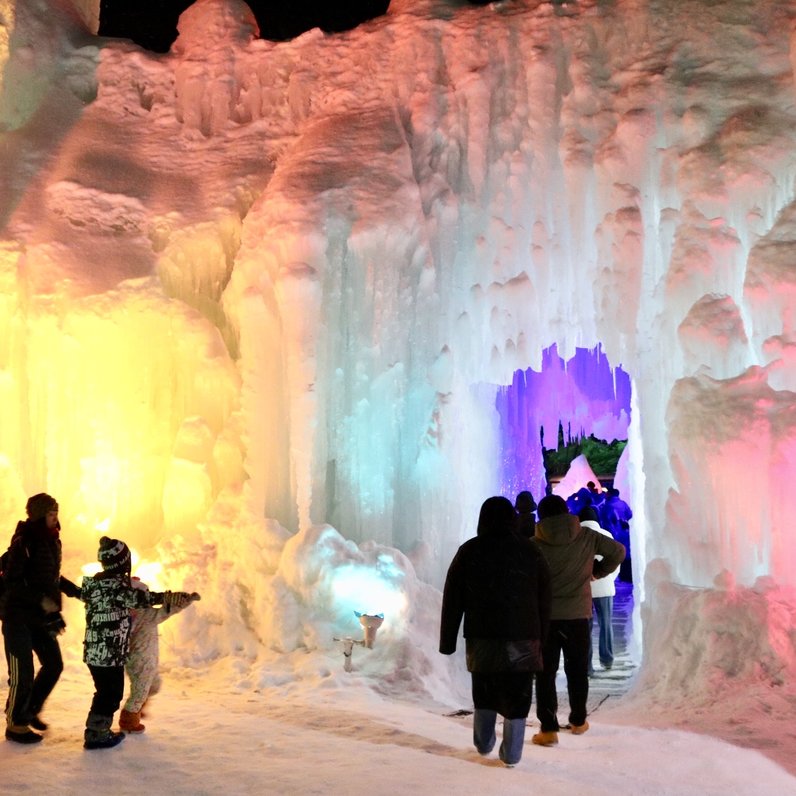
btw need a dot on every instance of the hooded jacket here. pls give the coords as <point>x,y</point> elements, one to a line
<point>33,572</point>
<point>109,598</point>
<point>570,549</point>
<point>500,584</point>
<point>602,587</point>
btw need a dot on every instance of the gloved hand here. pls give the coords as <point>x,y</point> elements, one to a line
<point>49,605</point>
<point>54,624</point>
<point>179,599</point>
<point>68,588</point>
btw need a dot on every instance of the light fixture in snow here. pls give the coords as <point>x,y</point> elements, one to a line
<point>371,623</point>
<point>348,650</point>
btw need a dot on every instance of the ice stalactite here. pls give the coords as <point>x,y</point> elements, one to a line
<point>586,394</point>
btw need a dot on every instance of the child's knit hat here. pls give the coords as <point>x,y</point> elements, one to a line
<point>114,555</point>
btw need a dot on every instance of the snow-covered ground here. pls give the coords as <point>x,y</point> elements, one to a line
<point>299,724</point>
<point>705,722</point>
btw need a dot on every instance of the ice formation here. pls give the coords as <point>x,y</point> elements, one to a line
<point>585,393</point>
<point>258,299</point>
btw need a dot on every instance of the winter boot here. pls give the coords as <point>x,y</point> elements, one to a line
<point>130,722</point>
<point>37,724</point>
<point>545,738</point>
<point>98,734</point>
<point>21,733</point>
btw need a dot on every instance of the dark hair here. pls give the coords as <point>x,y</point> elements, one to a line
<point>497,516</point>
<point>588,513</point>
<point>524,502</point>
<point>552,505</point>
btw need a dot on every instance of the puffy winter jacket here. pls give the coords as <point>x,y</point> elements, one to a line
<point>500,584</point>
<point>109,598</point>
<point>570,551</point>
<point>33,572</point>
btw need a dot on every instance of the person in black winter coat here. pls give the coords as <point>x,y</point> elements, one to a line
<point>31,614</point>
<point>500,584</point>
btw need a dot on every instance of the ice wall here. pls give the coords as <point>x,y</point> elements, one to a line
<point>279,272</point>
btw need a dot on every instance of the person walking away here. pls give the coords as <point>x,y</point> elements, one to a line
<point>109,598</point>
<point>615,516</point>
<point>499,583</point>
<point>525,506</point>
<point>142,662</point>
<point>570,551</point>
<point>30,609</point>
<point>602,599</point>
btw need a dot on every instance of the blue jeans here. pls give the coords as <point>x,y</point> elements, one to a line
<point>484,735</point>
<point>604,608</point>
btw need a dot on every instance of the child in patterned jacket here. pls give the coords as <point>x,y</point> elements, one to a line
<point>142,664</point>
<point>109,597</point>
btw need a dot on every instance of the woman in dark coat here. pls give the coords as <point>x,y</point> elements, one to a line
<point>500,583</point>
<point>30,610</point>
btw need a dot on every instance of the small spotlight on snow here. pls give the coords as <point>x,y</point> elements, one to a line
<point>371,623</point>
<point>348,650</point>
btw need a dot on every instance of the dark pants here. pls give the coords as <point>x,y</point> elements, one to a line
<point>108,689</point>
<point>572,637</point>
<point>26,692</point>
<point>507,693</point>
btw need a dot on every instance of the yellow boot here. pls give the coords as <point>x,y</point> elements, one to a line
<point>545,738</point>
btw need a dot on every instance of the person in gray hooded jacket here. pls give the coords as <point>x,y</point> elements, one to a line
<point>570,551</point>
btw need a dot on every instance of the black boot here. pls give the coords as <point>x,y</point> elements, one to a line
<point>98,734</point>
<point>21,734</point>
<point>37,724</point>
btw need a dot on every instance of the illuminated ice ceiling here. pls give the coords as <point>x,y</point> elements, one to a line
<point>275,275</point>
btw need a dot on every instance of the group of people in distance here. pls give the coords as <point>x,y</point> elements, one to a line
<point>524,591</point>
<point>122,615</point>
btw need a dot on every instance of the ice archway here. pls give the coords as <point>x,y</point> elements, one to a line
<point>250,280</point>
